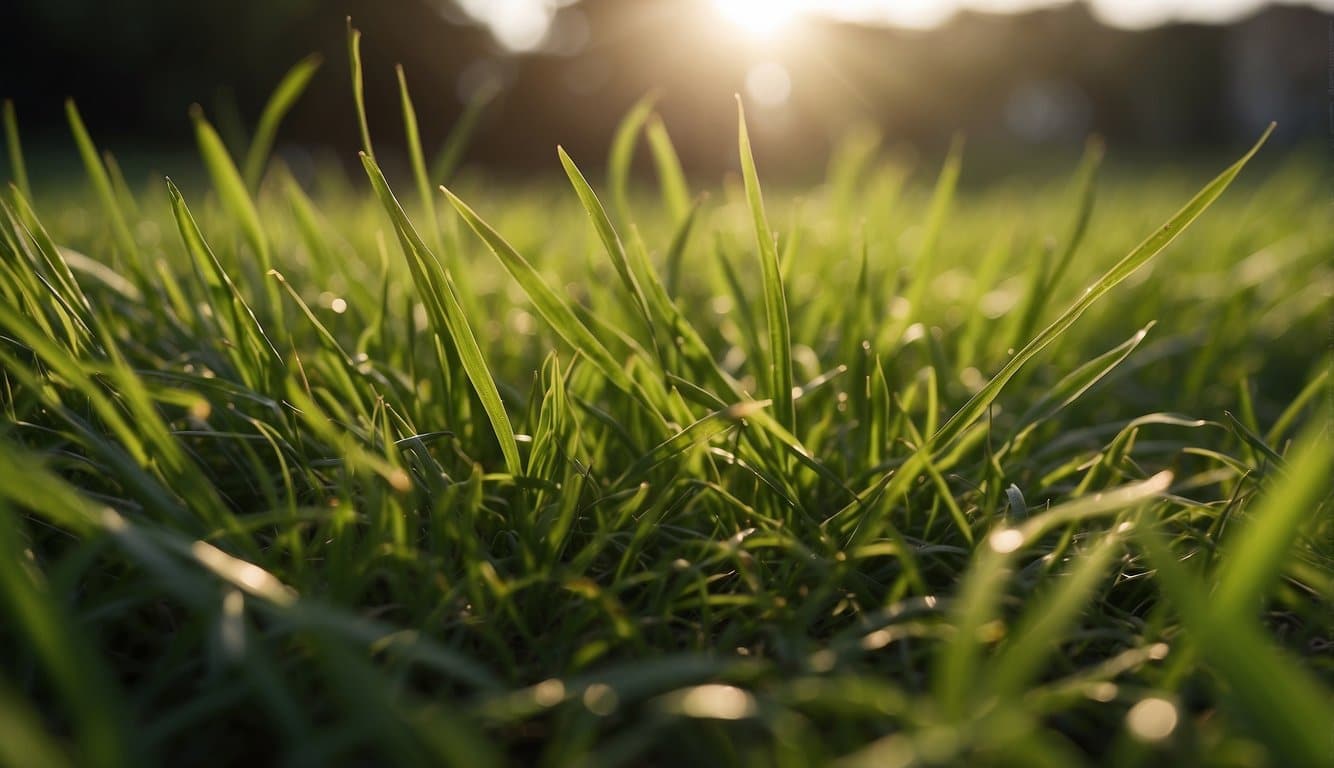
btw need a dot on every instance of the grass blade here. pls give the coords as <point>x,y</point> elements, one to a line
<point>17,167</point>
<point>358,86</point>
<point>671,177</point>
<point>1263,544</point>
<point>448,317</point>
<point>284,96</point>
<point>775,301</point>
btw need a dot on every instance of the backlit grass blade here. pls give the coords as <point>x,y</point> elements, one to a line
<point>1127,266</point>
<point>97,173</point>
<point>225,293</point>
<point>415,157</point>
<point>17,168</point>
<point>358,86</point>
<point>68,658</point>
<point>1046,621</point>
<point>1257,550</point>
<point>622,155</point>
<point>982,587</point>
<point>671,177</point>
<point>1317,384</point>
<point>552,308</point>
<point>775,301</point>
<point>923,266</point>
<point>1073,385</point>
<point>1083,190</point>
<point>448,316</point>
<point>230,187</point>
<point>1276,697</point>
<point>611,242</point>
<point>284,96</point>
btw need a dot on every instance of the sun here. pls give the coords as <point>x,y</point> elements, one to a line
<point>759,18</point>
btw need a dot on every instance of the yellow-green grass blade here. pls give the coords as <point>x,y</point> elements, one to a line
<point>279,104</point>
<point>230,187</point>
<point>622,154</point>
<point>552,308</point>
<point>24,739</point>
<point>417,160</point>
<point>1256,551</point>
<point>17,167</point>
<point>448,317</point>
<point>981,589</point>
<point>224,292</point>
<point>358,86</point>
<point>97,173</point>
<point>1317,385</point>
<point>1138,257</point>
<point>775,301</point>
<point>1276,697</point>
<point>1073,385</point>
<point>942,199</point>
<point>1084,190</point>
<point>611,241</point>
<point>671,177</point>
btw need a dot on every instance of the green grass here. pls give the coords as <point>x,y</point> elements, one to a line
<point>334,474</point>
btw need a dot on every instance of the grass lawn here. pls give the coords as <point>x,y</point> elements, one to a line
<point>344,473</point>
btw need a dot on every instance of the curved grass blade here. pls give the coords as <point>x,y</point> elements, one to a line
<point>671,177</point>
<point>1278,698</point>
<point>224,292</point>
<point>622,155</point>
<point>284,96</point>
<point>983,584</point>
<point>1127,266</point>
<point>1138,257</point>
<point>230,187</point>
<point>1259,550</point>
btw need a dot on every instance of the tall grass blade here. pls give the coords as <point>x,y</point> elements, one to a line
<point>448,317</point>
<point>775,301</point>
<point>17,168</point>
<point>284,97</point>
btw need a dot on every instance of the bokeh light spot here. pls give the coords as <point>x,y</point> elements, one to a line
<point>769,84</point>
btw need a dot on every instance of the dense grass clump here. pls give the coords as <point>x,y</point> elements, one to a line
<point>314,475</point>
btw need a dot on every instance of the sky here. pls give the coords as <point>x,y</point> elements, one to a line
<point>525,25</point>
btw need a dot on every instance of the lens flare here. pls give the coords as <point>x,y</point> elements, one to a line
<point>759,18</point>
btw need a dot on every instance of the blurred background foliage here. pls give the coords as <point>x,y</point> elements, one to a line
<point>1045,77</point>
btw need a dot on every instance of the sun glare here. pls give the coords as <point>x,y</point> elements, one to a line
<point>759,18</point>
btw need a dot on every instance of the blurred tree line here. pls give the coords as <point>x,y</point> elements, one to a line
<point>1045,77</point>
